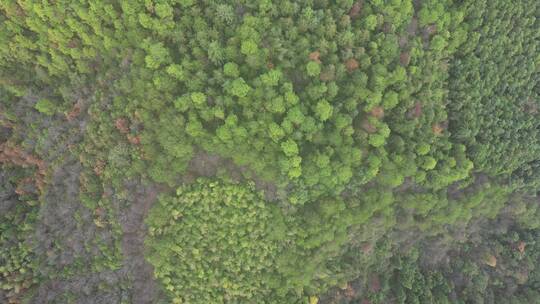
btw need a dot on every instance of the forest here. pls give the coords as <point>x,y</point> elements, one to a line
<point>270,151</point>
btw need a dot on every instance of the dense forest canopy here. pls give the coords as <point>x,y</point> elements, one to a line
<point>272,151</point>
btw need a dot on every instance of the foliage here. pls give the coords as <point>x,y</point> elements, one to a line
<point>213,242</point>
<point>349,101</point>
<point>494,88</point>
<point>388,137</point>
<point>45,106</point>
<point>18,271</point>
<point>467,278</point>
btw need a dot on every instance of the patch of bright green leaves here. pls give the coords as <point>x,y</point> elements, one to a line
<point>213,243</point>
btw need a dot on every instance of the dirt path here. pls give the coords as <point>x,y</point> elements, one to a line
<point>145,289</point>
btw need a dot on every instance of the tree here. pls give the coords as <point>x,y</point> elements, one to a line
<point>157,55</point>
<point>313,69</point>
<point>231,69</point>
<point>239,88</point>
<point>249,47</point>
<point>323,110</point>
<point>46,107</point>
<point>289,147</point>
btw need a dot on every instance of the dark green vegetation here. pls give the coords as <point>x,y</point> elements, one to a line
<point>321,151</point>
<point>496,81</point>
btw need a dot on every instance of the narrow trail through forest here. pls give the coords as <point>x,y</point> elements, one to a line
<point>134,231</point>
